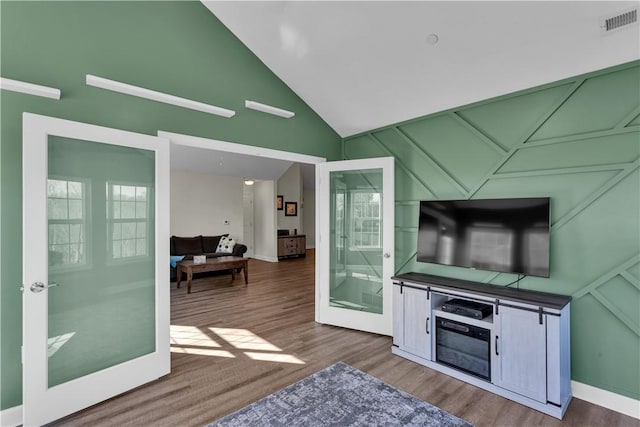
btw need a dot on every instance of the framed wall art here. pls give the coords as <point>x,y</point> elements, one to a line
<point>290,209</point>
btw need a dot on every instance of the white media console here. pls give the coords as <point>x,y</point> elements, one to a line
<point>521,350</point>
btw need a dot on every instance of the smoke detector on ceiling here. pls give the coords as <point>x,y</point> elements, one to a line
<point>620,21</point>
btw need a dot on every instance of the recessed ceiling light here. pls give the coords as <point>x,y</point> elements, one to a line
<point>432,39</point>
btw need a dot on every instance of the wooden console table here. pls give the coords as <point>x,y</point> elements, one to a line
<point>213,264</point>
<point>294,245</point>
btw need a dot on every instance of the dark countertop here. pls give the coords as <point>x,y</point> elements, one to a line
<point>543,299</point>
<point>291,235</point>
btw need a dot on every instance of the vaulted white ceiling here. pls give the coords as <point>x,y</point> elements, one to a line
<point>362,65</point>
<point>224,163</point>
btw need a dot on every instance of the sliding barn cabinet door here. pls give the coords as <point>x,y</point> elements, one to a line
<point>417,322</point>
<point>520,349</point>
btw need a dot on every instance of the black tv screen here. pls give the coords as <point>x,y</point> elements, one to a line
<point>505,235</point>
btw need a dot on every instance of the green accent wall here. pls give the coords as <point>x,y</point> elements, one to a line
<point>576,141</point>
<point>178,48</point>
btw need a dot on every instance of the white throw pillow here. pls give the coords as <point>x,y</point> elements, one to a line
<point>226,245</point>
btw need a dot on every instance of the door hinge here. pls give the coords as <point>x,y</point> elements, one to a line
<point>22,354</point>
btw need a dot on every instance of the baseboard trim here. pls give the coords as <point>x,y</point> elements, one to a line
<point>11,417</point>
<point>265,258</point>
<point>615,402</point>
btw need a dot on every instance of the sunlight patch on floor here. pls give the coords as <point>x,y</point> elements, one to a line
<point>233,343</point>
<point>202,351</point>
<point>191,336</point>
<point>274,357</point>
<point>244,339</point>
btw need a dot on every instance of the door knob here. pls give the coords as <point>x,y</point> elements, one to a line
<point>39,287</point>
<point>387,255</point>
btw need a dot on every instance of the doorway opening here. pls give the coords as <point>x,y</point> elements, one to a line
<point>256,221</point>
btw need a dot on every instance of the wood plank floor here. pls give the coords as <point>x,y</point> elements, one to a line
<point>234,344</point>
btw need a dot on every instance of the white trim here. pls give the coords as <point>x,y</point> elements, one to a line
<point>214,144</point>
<point>258,106</point>
<point>325,313</point>
<point>153,95</point>
<point>82,392</point>
<point>29,88</point>
<point>11,417</point>
<point>265,258</point>
<point>607,399</point>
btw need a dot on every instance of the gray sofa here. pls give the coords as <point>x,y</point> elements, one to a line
<point>200,245</point>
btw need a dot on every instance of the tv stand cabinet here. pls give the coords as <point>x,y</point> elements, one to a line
<point>529,357</point>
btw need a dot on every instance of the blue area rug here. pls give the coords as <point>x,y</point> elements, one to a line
<point>340,395</point>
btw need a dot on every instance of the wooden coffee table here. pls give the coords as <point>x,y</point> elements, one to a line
<point>213,264</point>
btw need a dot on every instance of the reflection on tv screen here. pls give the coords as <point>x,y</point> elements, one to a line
<point>505,235</point>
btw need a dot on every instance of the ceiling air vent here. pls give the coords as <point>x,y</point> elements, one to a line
<point>618,21</point>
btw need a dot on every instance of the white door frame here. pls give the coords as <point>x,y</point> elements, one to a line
<point>232,147</point>
<point>248,213</point>
<point>40,403</point>
<point>218,145</point>
<point>249,150</point>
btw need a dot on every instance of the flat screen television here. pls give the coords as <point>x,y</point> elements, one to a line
<point>504,235</point>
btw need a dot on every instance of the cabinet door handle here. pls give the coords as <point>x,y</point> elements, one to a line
<point>426,325</point>
<point>497,354</point>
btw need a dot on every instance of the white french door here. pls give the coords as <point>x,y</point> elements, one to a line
<point>95,258</point>
<point>355,229</point>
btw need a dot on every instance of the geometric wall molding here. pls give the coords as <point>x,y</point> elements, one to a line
<point>583,136</point>
<point>618,270</point>
<point>633,280</point>
<point>628,119</point>
<point>477,132</point>
<point>627,169</point>
<point>576,141</point>
<point>432,162</point>
<point>401,165</point>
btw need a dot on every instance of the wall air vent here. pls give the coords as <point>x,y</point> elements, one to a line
<point>621,20</point>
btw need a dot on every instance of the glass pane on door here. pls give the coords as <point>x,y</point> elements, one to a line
<point>356,240</point>
<point>101,255</point>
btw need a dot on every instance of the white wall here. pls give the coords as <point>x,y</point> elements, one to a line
<point>309,216</point>
<point>290,186</point>
<point>200,203</point>
<point>247,219</point>
<point>264,225</point>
